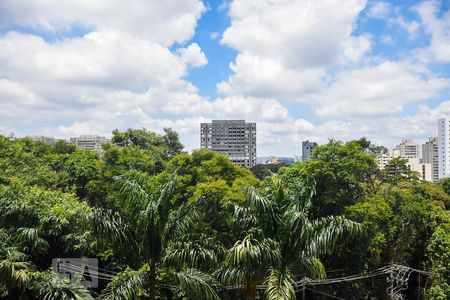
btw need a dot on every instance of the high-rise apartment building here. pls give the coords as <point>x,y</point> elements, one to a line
<point>233,138</point>
<point>444,147</point>
<point>430,156</point>
<point>89,142</point>
<point>307,148</point>
<point>407,149</point>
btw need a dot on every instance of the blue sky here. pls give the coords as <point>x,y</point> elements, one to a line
<point>301,69</point>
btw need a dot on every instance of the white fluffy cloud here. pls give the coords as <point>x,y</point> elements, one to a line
<point>285,47</point>
<point>121,73</point>
<point>379,10</point>
<point>381,89</point>
<point>262,76</point>
<point>164,22</point>
<point>439,29</point>
<point>101,58</point>
<point>411,27</point>
<point>300,34</point>
<point>114,64</point>
<point>193,55</point>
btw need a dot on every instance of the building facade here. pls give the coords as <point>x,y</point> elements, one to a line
<point>407,149</point>
<point>444,147</point>
<point>233,138</point>
<point>424,169</point>
<point>383,160</point>
<point>430,156</point>
<point>89,142</point>
<point>45,139</point>
<point>307,148</point>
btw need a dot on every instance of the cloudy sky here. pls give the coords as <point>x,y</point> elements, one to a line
<point>302,69</point>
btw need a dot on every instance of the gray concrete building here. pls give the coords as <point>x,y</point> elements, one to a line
<point>430,155</point>
<point>89,142</point>
<point>307,148</point>
<point>233,138</point>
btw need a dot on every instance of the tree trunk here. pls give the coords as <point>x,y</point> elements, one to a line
<point>152,281</point>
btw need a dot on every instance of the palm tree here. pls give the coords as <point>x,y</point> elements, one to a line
<point>148,232</point>
<point>15,276</point>
<point>281,242</point>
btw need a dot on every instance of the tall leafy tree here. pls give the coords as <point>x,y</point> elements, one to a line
<point>165,145</point>
<point>343,173</point>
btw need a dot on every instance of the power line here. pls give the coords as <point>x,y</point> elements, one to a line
<point>93,274</point>
<point>89,269</point>
<point>298,285</point>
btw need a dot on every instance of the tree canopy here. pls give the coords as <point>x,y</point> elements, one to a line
<point>167,224</point>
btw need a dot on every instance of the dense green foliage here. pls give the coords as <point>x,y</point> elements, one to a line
<point>172,225</point>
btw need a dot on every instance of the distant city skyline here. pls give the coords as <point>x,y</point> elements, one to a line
<point>299,69</point>
<point>298,156</point>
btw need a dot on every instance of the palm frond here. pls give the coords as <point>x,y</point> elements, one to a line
<point>164,202</point>
<point>196,285</point>
<point>322,236</point>
<point>15,274</point>
<point>277,191</point>
<point>29,237</point>
<point>155,218</point>
<point>312,267</point>
<point>148,229</point>
<point>259,203</point>
<point>293,224</point>
<point>232,275</point>
<point>131,188</point>
<point>199,254</point>
<point>280,285</point>
<point>244,217</point>
<point>264,210</point>
<point>127,285</point>
<point>253,254</point>
<point>109,226</point>
<point>302,193</point>
<point>181,220</point>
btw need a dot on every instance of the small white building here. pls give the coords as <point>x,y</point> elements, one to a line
<point>424,169</point>
<point>383,160</point>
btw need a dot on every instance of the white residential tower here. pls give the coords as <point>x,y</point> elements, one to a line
<point>444,147</point>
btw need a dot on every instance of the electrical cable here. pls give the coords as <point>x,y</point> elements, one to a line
<point>91,274</point>
<point>299,285</point>
<point>91,269</point>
